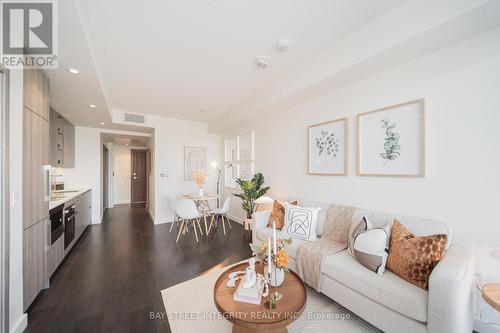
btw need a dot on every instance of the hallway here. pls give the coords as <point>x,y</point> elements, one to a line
<point>112,279</point>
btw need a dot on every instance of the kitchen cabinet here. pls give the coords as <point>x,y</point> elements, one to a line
<point>62,141</point>
<point>36,92</point>
<point>55,255</point>
<point>84,216</point>
<point>68,144</point>
<point>36,243</point>
<point>36,184</point>
<point>36,172</point>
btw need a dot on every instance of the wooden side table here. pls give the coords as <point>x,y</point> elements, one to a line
<point>247,318</point>
<point>491,294</point>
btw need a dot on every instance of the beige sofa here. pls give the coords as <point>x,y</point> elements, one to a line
<point>387,301</point>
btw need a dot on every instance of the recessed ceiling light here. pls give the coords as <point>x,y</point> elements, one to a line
<point>92,106</point>
<point>282,45</point>
<point>101,123</point>
<point>73,70</point>
<point>126,144</point>
<point>262,62</point>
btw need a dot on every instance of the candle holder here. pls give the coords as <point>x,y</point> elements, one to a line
<point>275,296</point>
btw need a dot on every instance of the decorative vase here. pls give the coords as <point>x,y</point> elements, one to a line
<point>200,192</point>
<point>248,224</point>
<point>277,276</point>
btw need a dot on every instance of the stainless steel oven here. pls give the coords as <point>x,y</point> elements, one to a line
<point>69,224</point>
<point>56,223</point>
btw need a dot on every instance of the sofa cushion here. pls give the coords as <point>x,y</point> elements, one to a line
<point>388,289</point>
<point>278,214</point>
<point>414,258</point>
<point>300,222</point>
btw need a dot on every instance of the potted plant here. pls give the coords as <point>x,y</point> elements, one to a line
<point>252,190</point>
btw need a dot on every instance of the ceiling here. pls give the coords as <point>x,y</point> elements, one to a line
<point>195,60</point>
<point>177,58</point>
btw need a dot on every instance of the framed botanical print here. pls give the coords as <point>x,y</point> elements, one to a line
<point>328,148</point>
<point>391,141</point>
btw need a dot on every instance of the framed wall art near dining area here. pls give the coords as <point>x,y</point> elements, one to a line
<point>391,141</point>
<point>328,148</point>
<point>195,158</point>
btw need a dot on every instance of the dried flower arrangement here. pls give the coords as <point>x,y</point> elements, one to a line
<point>200,177</point>
<point>260,253</point>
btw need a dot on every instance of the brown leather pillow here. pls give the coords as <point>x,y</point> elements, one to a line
<point>278,215</point>
<point>414,258</point>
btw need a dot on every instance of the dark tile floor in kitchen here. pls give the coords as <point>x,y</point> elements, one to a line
<point>112,279</point>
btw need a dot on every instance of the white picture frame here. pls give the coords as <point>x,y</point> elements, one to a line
<point>328,148</point>
<point>391,141</point>
<point>195,158</point>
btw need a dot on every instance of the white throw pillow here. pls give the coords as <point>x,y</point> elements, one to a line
<point>300,222</point>
<point>369,245</point>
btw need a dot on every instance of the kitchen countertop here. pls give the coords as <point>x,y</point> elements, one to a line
<point>68,196</point>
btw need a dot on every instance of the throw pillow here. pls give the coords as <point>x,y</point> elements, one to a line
<point>369,245</point>
<point>413,258</point>
<point>278,215</point>
<point>300,222</point>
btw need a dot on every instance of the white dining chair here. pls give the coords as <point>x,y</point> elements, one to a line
<point>189,214</point>
<point>173,208</point>
<point>222,212</point>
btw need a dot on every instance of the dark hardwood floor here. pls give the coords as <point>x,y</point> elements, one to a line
<point>112,279</point>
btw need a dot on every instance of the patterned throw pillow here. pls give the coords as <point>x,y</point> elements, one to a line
<point>300,222</point>
<point>369,245</point>
<point>414,258</point>
<point>278,215</point>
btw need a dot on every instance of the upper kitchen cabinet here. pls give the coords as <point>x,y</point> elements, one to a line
<point>36,174</point>
<point>36,92</point>
<point>62,141</point>
<point>69,144</point>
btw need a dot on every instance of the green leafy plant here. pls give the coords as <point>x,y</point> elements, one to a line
<point>391,142</point>
<point>252,190</point>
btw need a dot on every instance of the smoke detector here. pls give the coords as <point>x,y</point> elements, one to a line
<point>262,62</point>
<point>282,45</point>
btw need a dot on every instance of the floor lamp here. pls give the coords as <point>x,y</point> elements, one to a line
<point>214,166</point>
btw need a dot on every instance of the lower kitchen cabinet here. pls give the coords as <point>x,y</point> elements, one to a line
<point>36,243</point>
<point>56,255</point>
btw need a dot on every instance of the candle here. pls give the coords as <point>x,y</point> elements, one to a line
<point>269,255</point>
<point>274,239</point>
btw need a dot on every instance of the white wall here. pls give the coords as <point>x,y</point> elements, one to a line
<point>461,87</point>
<point>171,135</point>
<point>87,170</point>
<point>121,167</point>
<point>17,319</point>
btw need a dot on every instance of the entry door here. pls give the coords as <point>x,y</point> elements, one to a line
<point>139,176</point>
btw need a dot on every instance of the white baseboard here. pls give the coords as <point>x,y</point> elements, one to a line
<point>123,202</point>
<point>236,219</point>
<point>152,216</point>
<point>21,324</point>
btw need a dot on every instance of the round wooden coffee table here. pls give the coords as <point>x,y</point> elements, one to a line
<point>256,318</point>
<point>491,294</point>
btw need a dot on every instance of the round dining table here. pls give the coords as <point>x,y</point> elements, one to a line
<point>202,203</point>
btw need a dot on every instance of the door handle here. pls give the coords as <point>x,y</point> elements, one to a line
<point>47,181</point>
<point>135,177</point>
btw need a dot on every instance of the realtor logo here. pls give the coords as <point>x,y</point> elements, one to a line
<point>29,34</point>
